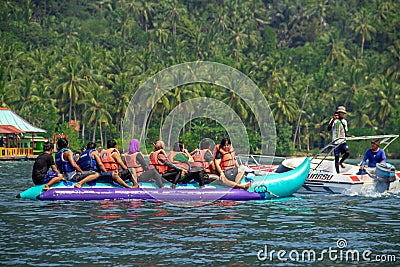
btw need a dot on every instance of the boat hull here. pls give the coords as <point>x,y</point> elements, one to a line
<point>156,194</point>
<point>325,180</point>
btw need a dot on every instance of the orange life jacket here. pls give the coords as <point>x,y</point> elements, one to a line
<point>171,157</point>
<point>199,160</point>
<point>153,158</point>
<point>130,160</point>
<point>109,162</point>
<point>228,158</point>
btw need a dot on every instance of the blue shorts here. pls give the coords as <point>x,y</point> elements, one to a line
<point>50,175</point>
<point>341,149</point>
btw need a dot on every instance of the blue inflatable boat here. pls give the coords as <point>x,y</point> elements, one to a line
<point>273,185</point>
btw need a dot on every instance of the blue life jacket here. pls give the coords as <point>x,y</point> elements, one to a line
<point>62,164</point>
<point>87,162</point>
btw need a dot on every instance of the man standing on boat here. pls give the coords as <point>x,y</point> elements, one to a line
<point>338,125</point>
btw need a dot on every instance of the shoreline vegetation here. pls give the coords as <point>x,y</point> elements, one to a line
<point>72,66</point>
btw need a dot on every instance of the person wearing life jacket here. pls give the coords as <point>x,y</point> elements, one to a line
<point>66,164</point>
<point>89,160</point>
<point>134,160</point>
<point>111,159</point>
<point>227,166</point>
<point>159,161</point>
<point>200,167</point>
<point>179,156</point>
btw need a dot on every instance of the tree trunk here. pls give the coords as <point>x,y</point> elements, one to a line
<point>362,45</point>
<point>70,110</point>
<point>94,132</point>
<point>83,132</point>
<point>101,134</point>
<point>298,120</point>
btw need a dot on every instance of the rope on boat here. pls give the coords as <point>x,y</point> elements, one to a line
<point>263,189</point>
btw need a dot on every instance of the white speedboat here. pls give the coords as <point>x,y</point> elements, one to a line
<point>323,177</point>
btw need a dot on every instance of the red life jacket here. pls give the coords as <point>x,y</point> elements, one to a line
<point>228,158</point>
<point>171,157</point>
<point>153,158</point>
<point>199,160</point>
<point>109,162</point>
<point>130,160</point>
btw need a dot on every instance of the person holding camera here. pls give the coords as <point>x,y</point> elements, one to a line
<point>338,125</point>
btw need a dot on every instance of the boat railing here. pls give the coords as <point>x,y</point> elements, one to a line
<point>386,140</point>
<point>260,163</point>
<point>327,151</point>
<point>15,152</point>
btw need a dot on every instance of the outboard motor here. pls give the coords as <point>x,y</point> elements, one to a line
<point>385,174</point>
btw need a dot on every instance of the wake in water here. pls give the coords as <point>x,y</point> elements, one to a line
<point>372,192</point>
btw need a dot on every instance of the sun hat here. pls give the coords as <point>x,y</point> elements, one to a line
<point>341,109</point>
<point>376,142</point>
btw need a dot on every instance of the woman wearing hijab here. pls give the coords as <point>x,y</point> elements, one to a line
<point>139,167</point>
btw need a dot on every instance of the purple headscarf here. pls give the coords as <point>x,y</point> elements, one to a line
<point>134,146</point>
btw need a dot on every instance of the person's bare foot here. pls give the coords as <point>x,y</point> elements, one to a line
<point>246,186</point>
<point>46,187</point>
<point>135,186</point>
<point>342,165</point>
<point>78,185</point>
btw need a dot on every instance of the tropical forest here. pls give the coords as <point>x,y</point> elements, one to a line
<point>73,66</point>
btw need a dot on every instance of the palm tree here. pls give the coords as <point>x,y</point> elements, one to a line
<point>336,49</point>
<point>26,96</point>
<point>174,14</point>
<point>97,109</point>
<point>122,92</point>
<point>394,68</point>
<point>362,106</point>
<point>70,85</point>
<point>361,26</point>
<point>386,101</point>
<point>143,11</point>
<point>283,104</point>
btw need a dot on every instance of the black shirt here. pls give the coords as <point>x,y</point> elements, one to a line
<point>41,166</point>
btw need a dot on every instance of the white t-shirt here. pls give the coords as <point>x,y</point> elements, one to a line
<point>339,129</point>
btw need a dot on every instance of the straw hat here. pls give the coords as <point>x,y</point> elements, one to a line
<point>341,109</point>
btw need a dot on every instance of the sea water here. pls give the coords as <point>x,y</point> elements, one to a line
<point>326,230</point>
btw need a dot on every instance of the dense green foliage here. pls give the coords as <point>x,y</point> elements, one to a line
<point>83,60</point>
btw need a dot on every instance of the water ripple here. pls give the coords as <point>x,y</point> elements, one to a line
<point>140,233</point>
